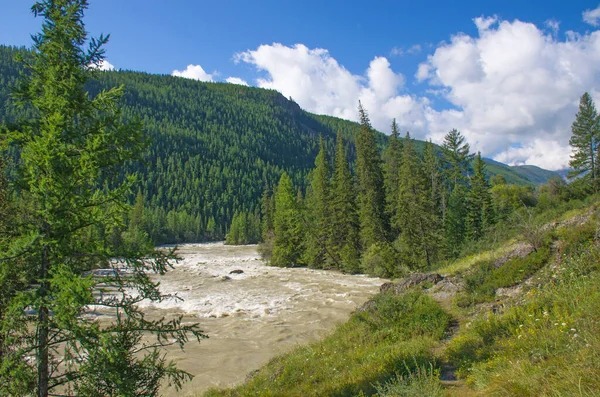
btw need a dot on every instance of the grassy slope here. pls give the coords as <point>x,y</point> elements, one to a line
<point>529,325</point>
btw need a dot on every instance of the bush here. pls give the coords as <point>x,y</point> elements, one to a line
<point>381,260</point>
<point>424,381</point>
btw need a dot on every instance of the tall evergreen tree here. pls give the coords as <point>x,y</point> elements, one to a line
<point>416,216</point>
<point>584,141</point>
<point>433,174</point>
<point>479,201</point>
<point>371,196</point>
<point>392,173</point>
<point>457,157</point>
<point>344,238</point>
<point>457,160</point>
<point>287,225</point>
<point>455,227</point>
<point>71,141</point>
<point>318,213</point>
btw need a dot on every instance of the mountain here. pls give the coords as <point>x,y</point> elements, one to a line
<point>216,146</point>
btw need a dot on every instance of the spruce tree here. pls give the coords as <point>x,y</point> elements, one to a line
<point>433,173</point>
<point>416,216</point>
<point>70,152</point>
<point>287,225</point>
<point>344,228</point>
<point>318,213</point>
<point>457,157</point>
<point>584,141</point>
<point>392,174</point>
<point>371,196</point>
<point>479,201</point>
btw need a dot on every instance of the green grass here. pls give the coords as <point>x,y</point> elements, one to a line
<point>393,339</point>
<point>483,280</point>
<point>549,346</point>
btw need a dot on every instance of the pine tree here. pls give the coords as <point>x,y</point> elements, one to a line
<point>287,225</point>
<point>344,237</point>
<point>392,173</point>
<point>479,201</point>
<point>318,212</point>
<point>584,141</point>
<point>71,141</point>
<point>416,216</point>
<point>371,197</point>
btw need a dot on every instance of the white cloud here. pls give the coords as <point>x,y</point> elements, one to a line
<point>194,72</point>
<point>236,80</point>
<point>512,88</point>
<point>515,89</point>
<point>592,16</point>
<point>316,81</point>
<point>103,65</point>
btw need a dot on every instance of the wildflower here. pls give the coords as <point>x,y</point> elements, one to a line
<point>545,314</point>
<point>564,324</point>
<point>573,329</point>
<point>575,336</point>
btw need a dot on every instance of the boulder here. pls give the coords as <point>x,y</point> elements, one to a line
<point>410,281</point>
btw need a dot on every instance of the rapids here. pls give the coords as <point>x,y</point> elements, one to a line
<point>252,316</point>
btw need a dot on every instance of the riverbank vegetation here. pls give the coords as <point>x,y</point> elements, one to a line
<point>520,309</point>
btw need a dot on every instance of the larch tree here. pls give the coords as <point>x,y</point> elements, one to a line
<point>344,237</point>
<point>371,196</point>
<point>584,141</point>
<point>70,152</point>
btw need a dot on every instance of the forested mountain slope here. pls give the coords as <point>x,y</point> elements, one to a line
<point>214,146</point>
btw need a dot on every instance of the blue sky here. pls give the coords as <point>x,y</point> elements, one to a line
<point>419,62</point>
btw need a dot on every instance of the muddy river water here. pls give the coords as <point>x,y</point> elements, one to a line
<point>252,316</point>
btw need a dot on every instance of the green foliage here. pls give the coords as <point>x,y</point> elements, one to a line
<point>318,213</point>
<point>483,281</point>
<point>381,260</point>
<point>479,202</point>
<point>455,227</point>
<point>424,381</point>
<point>584,141</point>
<point>371,197</point>
<point>509,198</point>
<point>546,347</point>
<point>417,218</point>
<point>344,238</point>
<point>287,249</point>
<point>391,168</point>
<point>456,157</point>
<point>69,151</point>
<point>392,338</point>
<point>245,229</point>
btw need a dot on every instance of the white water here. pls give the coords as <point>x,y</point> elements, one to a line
<point>252,316</point>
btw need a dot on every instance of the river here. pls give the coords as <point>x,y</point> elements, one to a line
<point>252,316</point>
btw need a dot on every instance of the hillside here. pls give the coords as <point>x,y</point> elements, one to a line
<point>517,316</point>
<point>215,146</point>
